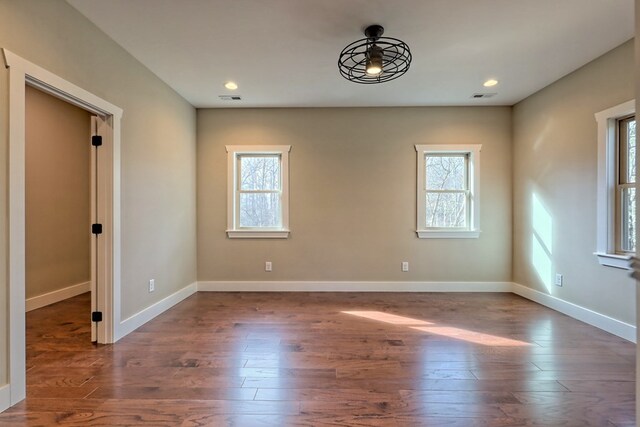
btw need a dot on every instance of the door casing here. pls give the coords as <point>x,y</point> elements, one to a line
<point>107,269</point>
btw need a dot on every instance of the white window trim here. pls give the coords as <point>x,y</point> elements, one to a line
<point>473,150</point>
<point>606,186</point>
<point>260,233</point>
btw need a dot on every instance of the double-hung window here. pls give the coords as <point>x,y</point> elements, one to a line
<point>616,206</point>
<point>626,186</point>
<point>448,191</point>
<point>258,187</point>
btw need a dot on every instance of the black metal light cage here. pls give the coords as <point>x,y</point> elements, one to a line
<point>396,58</point>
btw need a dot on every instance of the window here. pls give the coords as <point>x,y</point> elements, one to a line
<point>258,191</point>
<point>626,189</point>
<point>448,191</point>
<point>616,202</point>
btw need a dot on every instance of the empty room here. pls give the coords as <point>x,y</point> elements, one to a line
<point>318,213</point>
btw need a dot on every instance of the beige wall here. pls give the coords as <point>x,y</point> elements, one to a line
<point>58,180</point>
<point>353,195</point>
<point>554,158</point>
<point>158,147</point>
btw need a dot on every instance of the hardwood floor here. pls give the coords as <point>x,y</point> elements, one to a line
<point>320,359</point>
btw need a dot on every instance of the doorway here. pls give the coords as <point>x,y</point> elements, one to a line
<point>60,206</point>
<point>107,187</point>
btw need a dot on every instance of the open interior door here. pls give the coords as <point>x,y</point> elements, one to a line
<point>97,126</point>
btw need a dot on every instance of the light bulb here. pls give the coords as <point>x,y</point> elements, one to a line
<point>374,61</point>
<point>373,70</point>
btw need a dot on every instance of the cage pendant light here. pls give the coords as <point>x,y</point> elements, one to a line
<point>374,59</point>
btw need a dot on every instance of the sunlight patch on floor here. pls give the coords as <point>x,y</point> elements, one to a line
<point>472,336</point>
<point>432,328</point>
<point>388,318</point>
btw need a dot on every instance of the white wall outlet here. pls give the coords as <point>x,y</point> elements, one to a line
<point>152,285</point>
<point>405,266</point>
<point>559,279</point>
<point>267,266</point>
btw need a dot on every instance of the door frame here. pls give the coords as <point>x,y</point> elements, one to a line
<point>108,268</point>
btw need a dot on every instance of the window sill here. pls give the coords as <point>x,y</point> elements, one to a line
<point>614,260</point>
<point>258,234</point>
<point>448,234</point>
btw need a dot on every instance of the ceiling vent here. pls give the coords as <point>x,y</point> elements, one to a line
<point>230,97</point>
<point>483,95</point>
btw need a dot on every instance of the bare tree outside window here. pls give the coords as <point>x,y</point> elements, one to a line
<point>626,184</point>
<point>447,190</point>
<point>259,190</point>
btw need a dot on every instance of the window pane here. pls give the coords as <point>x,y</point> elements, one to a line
<point>259,172</point>
<point>631,151</point>
<point>259,209</point>
<point>445,172</point>
<point>628,227</point>
<point>446,210</point>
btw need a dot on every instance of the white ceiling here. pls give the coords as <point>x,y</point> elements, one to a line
<point>284,53</point>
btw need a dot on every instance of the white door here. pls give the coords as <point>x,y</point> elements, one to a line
<point>97,129</point>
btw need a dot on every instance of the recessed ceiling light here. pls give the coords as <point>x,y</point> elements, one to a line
<point>490,83</point>
<point>231,85</point>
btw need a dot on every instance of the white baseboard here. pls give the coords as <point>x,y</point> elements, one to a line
<point>134,322</point>
<point>5,397</point>
<point>57,296</point>
<point>606,323</point>
<point>222,286</point>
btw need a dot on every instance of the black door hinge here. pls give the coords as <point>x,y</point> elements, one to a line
<point>96,228</point>
<point>96,140</point>
<point>96,316</point>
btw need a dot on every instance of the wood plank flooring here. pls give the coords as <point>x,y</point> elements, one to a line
<point>329,359</point>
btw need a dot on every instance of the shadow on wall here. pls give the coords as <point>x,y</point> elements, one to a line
<point>541,241</point>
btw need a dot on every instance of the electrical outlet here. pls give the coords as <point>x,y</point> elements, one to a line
<point>405,266</point>
<point>559,279</point>
<point>267,266</point>
<point>152,285</point>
